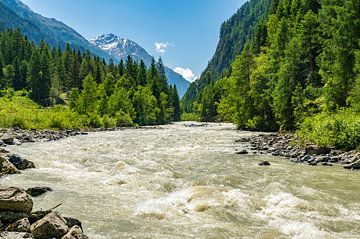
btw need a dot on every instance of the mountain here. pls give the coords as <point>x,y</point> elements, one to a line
<point>121,48</point>
<point>233,35</point>
<point>15,14</point>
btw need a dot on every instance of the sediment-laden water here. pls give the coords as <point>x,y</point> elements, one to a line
<point>186,182</point>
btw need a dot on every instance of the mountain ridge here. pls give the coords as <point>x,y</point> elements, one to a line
<point>120,48</point>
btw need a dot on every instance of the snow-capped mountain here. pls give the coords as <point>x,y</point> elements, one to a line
<point>121,48</point>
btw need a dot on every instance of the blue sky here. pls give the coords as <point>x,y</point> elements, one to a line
<point>183,32</point>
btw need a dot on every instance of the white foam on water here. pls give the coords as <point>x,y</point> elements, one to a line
<point>283,211</point>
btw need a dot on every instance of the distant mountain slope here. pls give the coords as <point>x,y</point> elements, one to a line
<point>120,48</point>
<point>15,14</point>
<point>233,35</point>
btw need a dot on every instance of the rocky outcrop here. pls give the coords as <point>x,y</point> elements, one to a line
<point>37,191</point>
<point>51,226</point>
<point>15,200</point>
<point>21,163</point>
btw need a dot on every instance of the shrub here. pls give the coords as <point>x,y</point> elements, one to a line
<point>340,129</point>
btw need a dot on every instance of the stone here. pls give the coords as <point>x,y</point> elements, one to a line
<point>7,139</point>
<point>21,163</point>
<point>10,217</point>
<point>75,233</point>
<point>353,166</point>
<point>6,167</point>
<point>37,191</point>
<point>264,163</point>
<point>15,235</point>
<point>22,225</point>
<point>315,150</point>
<point>50,226</point>
<point>70,222</point>
<point>15,199</point>
<point>244,151</point>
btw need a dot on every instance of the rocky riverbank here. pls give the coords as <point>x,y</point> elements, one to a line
<point>16,217</point>
<point>18,220</point>
<point>285,145</point>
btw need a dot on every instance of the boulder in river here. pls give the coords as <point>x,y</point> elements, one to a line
<point>15,235</point>
<point>15,200</point>
<point>6,167</point>
<point>50,226</point>
<point>264,163</point>
<point>21,163</point>
<point>22,225</point>
<point>75,233</point>
<point>37,191</point>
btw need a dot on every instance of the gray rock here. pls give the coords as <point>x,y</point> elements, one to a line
<point>70,222</point>
<point>15,235</point>
<point>21,163</point>
<point>6,167</point>
<point>75,233</point>
<point>37,191</point>
<point>10,217</point>
<point>353,166</point>
<point>264,163</point>
<point>244,151</point>
<point>50,226</point>
<point>15,199</point>
<point>315,150</point>
<point>22,225</point>
<point>7,139</point>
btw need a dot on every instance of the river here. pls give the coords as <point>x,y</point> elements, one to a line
<point>187,182</point>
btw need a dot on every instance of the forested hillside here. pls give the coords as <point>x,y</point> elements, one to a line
<point>98,94</point>
<point>304,75</point>
<point>233,35</point>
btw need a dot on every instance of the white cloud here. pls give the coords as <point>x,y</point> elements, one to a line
<point>161,47</point>
<point>186,73</point>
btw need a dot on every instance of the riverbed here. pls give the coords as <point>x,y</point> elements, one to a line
<point>176,181</point>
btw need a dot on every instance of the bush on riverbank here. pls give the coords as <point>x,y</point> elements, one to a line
<point>340,130</point>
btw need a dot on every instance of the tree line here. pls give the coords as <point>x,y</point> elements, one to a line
<point>301,61</point>
<point>125,93</point>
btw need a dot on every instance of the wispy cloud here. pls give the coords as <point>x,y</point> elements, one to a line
<point>161,47</point>
<point>186,73</point>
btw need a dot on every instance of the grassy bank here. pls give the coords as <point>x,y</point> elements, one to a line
<point>17,110</point>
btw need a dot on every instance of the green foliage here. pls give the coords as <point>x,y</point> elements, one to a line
<point>20,111</point>
<point>340,130</point>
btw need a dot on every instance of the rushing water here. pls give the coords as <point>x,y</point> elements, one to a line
<point>186,182</point>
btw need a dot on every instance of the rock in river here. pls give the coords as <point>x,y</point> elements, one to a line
<point>51,226</point>
<point>6,167</point>
<point>264,163</point>
<point>21,163</point>
<point>37,191</point>
<point>15,200</point>
<point>75,233</point>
